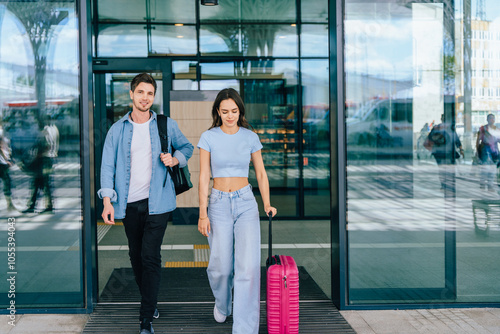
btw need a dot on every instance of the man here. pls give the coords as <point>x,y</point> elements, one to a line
<point>133,171</point>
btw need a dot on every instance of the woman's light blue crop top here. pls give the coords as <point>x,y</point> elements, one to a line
<point>229,154</point>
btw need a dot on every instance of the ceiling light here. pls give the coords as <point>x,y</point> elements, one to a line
<point>178,24</point>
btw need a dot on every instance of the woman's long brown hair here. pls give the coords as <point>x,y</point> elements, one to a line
<point>226,94</point>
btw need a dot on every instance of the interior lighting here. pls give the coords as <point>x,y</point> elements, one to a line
<point>209,2</point>
<point>178,24</point>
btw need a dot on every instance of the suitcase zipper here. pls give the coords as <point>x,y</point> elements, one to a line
<point>284,278</point>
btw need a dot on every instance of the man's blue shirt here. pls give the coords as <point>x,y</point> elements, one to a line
<point>115,167</point>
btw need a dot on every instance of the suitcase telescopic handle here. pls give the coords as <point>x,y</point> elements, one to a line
<point>270,235</point>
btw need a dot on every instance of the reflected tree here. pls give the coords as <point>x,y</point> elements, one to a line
<point>255,38</point>
<point>41,20</point>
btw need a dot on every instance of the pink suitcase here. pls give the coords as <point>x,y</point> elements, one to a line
<point>282,292</point>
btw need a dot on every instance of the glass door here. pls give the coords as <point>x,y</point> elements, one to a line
<point>111,104</point>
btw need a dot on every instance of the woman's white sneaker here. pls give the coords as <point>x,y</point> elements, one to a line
<point>219,317</point>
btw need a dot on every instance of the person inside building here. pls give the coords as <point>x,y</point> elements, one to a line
<point>231,218</point>
<point>133,188</point>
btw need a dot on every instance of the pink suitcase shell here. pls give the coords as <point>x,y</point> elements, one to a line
<point>283,296</point>
<point>282,293</point>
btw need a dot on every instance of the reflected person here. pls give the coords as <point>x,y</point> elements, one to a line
<point>487,140</point>
<point>443,142</point>
<point>133,188</point>
<point>232,222</point>
<point>5,164</point>
<point>44,151</point>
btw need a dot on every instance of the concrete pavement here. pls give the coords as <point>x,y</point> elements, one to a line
<point>431,321</point>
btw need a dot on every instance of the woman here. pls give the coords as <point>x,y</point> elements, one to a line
<point>232,222</point>
<point>487,140</point>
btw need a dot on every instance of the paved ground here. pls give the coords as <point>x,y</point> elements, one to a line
<point>442,321</point>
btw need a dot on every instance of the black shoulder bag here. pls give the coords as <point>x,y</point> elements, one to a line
<point>180,176</point>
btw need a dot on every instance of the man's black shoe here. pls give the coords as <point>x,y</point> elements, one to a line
<point>157,314</point>
<point>146,326</point>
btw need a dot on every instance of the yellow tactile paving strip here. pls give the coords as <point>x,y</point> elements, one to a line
<point>117,222</point>
<point>186,264</point>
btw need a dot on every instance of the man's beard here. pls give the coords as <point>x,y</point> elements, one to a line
<point>139,107</point>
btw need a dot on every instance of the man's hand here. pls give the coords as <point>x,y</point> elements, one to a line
<point>108,214</point>
<point>168,160</point>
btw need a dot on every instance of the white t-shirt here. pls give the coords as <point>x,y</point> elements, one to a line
<point>141,163</point>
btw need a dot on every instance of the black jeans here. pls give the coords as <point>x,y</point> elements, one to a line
<point>145,235</point>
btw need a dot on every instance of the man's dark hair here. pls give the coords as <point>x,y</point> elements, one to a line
<point>143,77</point>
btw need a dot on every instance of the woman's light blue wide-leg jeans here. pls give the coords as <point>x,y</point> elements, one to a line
<point>235,256</point>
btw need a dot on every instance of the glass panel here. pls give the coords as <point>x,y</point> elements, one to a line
<point>261,40</point>
<point>40,205</point>
<point>316,129</point>
<point>257,10</point>
<point>314,40</point>
<point>420,83</point>
<point>173,40</point>
<point>122,10</point>
<point>173,11</point>
<point>118,103</point>
<point>314,11</point>
<point>123,40</point>
<point>184,73</point>
<point>388,212</point>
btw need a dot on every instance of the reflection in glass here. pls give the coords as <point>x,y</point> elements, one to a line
<point>249,40</point>
<point>173,40</point>
<point>184,74</point>
<point>255,10</point>
<point>122,40</point>
<point>173,11</point>
<point>316,129</point>
<point>40,151</point>
<point>420,82</point>
<point>314,11</point>
<point>314,40</point>
<point>122,10</point>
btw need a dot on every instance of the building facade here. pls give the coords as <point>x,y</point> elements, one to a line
<point>343,95</point>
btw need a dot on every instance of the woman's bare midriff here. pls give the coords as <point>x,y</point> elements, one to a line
<point>230,184</point>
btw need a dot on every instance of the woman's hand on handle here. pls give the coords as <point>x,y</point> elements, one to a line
<point>269,209</point>
<point>204,226</point>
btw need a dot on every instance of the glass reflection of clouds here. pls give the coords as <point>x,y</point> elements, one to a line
<point>173,40</point>
<point>122,41</point>
<point>12,32</point>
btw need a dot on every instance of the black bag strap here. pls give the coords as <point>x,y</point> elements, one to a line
<point>162,122</point>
